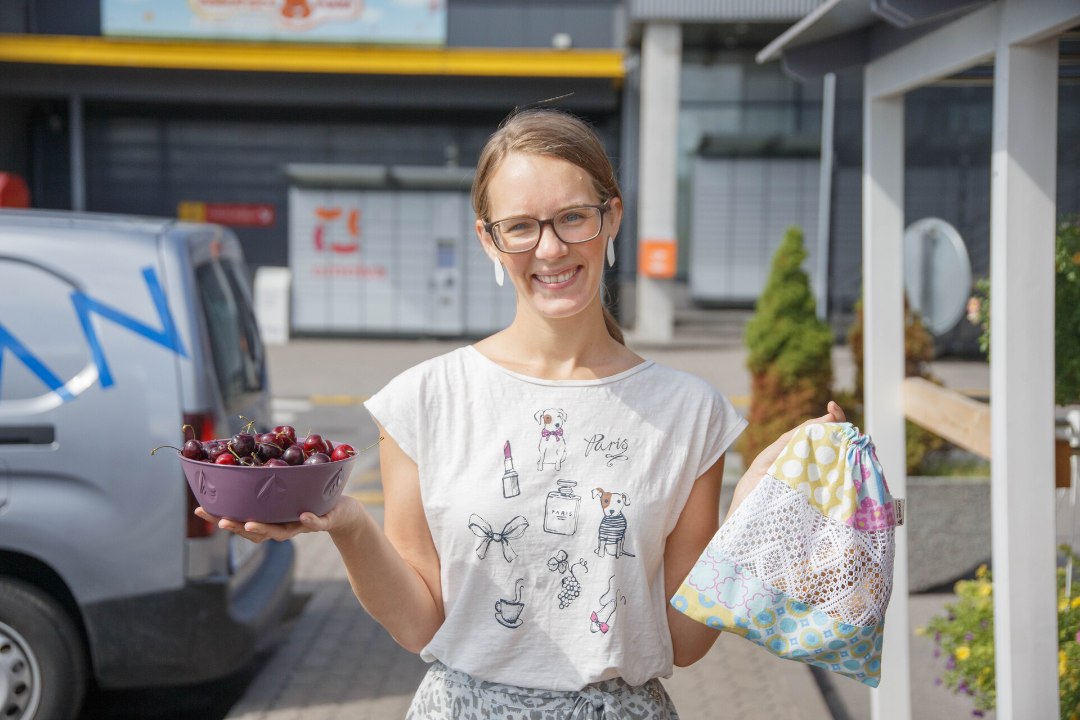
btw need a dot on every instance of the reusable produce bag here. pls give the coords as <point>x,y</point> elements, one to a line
<point>804,566</point>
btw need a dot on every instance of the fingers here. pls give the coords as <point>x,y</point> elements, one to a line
<point>836,412</point>
<point>254,531</point>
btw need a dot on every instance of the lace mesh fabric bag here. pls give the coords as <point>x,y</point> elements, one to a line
<point>804,565</point>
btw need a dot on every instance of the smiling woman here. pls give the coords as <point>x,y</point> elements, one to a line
<point>526,590</point>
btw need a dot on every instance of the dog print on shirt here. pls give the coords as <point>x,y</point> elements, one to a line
<point>552,444</point>
<point>612,532</point>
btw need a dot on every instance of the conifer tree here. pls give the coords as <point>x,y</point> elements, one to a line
<point>790,351</point>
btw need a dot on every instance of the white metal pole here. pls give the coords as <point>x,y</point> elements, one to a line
<point>883,365</point>
<point>1022,222</point>
<point>661,61</point>
<point>828,112</point>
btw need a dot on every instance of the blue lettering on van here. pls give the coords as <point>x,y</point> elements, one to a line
<point>167,337</point>
<point>32,363</point>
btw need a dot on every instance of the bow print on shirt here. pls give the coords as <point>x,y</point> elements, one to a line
<point>481,528</point>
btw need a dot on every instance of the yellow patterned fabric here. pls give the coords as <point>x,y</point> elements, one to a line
<point>819,463</point>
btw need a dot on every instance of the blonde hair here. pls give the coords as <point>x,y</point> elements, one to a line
<point>552,133</point>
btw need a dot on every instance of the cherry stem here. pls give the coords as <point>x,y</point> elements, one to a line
<point>164,446</point>
<point>370,446</point>
<point>185,428</point>
<point>250,424</point>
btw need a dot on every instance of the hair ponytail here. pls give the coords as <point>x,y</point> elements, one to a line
<point>612,326</point>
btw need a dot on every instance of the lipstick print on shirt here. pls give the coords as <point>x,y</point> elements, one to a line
<point>510,486</point>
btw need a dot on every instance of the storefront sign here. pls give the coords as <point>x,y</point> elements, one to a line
<point>352,21</point>
<point>657,259</point>
<point>231,214</point>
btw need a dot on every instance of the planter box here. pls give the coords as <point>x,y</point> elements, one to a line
<point>948,527</point>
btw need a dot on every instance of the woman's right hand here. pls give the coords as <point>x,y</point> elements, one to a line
<point>345,514</point>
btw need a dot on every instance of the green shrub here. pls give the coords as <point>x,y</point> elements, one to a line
<point>1066,312</point>
<point>789,351</point>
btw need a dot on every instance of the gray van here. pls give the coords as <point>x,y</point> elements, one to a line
<point>114,333</point>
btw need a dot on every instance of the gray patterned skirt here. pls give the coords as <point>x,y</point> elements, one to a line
<point>447,694</point>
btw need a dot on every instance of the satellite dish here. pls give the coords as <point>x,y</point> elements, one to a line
<point>937,273</point>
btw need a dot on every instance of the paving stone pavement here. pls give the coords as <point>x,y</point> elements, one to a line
<point>338,663</point>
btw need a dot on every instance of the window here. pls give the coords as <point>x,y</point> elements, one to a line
<point>239,358</point>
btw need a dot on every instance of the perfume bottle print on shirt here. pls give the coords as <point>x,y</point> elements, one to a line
<point>561,510</point>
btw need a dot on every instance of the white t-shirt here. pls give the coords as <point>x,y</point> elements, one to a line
<point>549,503</point>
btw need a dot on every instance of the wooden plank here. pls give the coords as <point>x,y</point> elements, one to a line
<point>949,414</point>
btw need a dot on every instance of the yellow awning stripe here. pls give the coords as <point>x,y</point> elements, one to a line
<point>266,57</point>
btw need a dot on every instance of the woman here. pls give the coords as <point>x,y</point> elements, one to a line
<point>546,489</point>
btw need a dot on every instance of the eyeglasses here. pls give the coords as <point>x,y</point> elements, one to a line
<point>573,225</point>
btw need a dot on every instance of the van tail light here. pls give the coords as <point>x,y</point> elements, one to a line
<point>202,425</point>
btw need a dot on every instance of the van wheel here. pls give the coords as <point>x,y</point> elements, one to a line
<point>42,664</point>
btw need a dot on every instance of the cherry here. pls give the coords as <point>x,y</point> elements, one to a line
<point>243,444</point>
<point>192,450</point>
<point>225,458</point>
<point>344,451</point>
<point>314,443</point>
<point>287,430</point>
<point>217,451</point>
<point>266,448</point>
<point>293,455</point>
<point>318,458</point>
<point>275,462</point>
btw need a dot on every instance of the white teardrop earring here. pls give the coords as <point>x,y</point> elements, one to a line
<point>610,251</point>
<point>500,276</point>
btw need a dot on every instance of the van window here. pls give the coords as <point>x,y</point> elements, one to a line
<point>239,360</point>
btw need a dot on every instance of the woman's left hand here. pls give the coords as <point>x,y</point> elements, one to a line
<point>765,458</point>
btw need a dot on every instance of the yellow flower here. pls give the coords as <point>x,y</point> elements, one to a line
<point>985,589</point>
<point>1075,602</point>
<point>1062,664</point>
<point>1062,604</point>
<point>964,652</point>
<point>981,571</point>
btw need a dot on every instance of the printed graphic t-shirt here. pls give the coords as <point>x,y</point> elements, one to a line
<point>549,503</point>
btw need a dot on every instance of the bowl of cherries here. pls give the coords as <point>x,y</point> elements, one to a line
<point>267,477</point>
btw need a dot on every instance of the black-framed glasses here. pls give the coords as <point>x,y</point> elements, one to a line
<point>572,225</point>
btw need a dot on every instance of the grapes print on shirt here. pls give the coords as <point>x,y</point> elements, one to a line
<point>570,587</point>
<point>552,445</point>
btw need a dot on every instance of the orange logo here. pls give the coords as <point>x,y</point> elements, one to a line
<point>330,216</point>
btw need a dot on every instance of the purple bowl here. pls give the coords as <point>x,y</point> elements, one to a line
<point>267,494</point>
